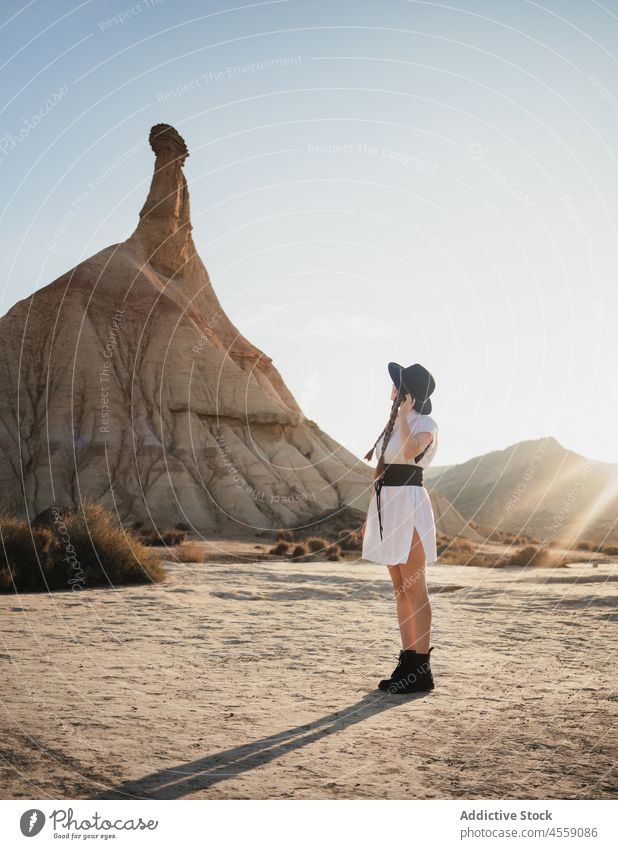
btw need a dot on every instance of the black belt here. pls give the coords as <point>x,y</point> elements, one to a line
<point>397,474</point>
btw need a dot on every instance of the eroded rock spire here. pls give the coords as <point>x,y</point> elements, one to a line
<point>164,229</point>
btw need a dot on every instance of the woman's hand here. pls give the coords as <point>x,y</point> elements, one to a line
<point>406,406</point>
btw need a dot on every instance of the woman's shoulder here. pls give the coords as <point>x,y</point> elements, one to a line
<point>427,423</point>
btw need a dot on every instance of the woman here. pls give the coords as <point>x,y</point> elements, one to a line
<point>400,530</point>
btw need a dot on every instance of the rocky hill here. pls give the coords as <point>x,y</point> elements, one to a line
<point>535,487</point>
<point>125,381</point>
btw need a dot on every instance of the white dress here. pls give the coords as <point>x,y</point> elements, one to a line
<point>402,507</point>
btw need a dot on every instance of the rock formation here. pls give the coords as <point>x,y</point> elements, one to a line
<point>125,381</point>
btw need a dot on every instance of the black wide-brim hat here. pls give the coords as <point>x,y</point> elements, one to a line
<point>416,380</point>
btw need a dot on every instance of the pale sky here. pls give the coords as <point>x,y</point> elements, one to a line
<point>370,181</point>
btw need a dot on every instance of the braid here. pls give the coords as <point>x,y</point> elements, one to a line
<point>369,453</point>
<point>387,435</point>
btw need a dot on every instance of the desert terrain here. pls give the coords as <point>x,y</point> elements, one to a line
<point>258,680</point>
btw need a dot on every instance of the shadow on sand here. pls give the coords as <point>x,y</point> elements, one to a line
<point>178,781</point>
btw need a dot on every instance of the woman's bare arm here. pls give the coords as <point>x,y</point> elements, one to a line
<point>417,444</point>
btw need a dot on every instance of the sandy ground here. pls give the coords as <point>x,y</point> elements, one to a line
<point>258,680</point>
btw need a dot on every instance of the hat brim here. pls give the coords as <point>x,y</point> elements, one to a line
<point>395,370</point>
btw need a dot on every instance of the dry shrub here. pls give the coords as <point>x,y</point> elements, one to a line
<point>191,552</point>
<point>333,552</point>
<point>480,559</point>
<point>532,555</point>
<point>523,540</point>
<point>585,545</point>
<point>28,557</point>
<point>454,556</point>
<point>284,536</point>
<point>609,549</point>
<point>168,537</point>
<point>315,544</point>
<point>455,550</point>
<point>446,559</point>
<point>442,542</point>
<point>460,551</point>
<point>82,549</point>
<point>460,544</point>
<point>498,562</point>
<point>309,549</point>
<point>350,540</point>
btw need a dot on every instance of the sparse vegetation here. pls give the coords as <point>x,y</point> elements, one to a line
<point>335,541</point>
<point>506,537</point>
<point>350,540</point>
<point>315,544</point>
<point>596,547</point>
<point>80,550</point>
<point>333,552</point>
<point>532,555</point>
<point>478,558</point>
<point>191,552</point>
<point>455,550</point>
<point>520,552</point>
<point>168,537</point>
<point>285,536</point>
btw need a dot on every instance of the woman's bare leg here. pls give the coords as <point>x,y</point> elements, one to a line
<point>414,590</point>
<point>404,608</point>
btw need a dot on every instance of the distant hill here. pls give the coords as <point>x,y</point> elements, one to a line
<point>449,520</point>
<point>535,487</point>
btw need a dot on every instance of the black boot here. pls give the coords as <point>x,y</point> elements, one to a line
<point>417,677</point>
<point>406,659</point>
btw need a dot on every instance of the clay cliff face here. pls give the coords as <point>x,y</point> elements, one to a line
<point>125,381</point>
